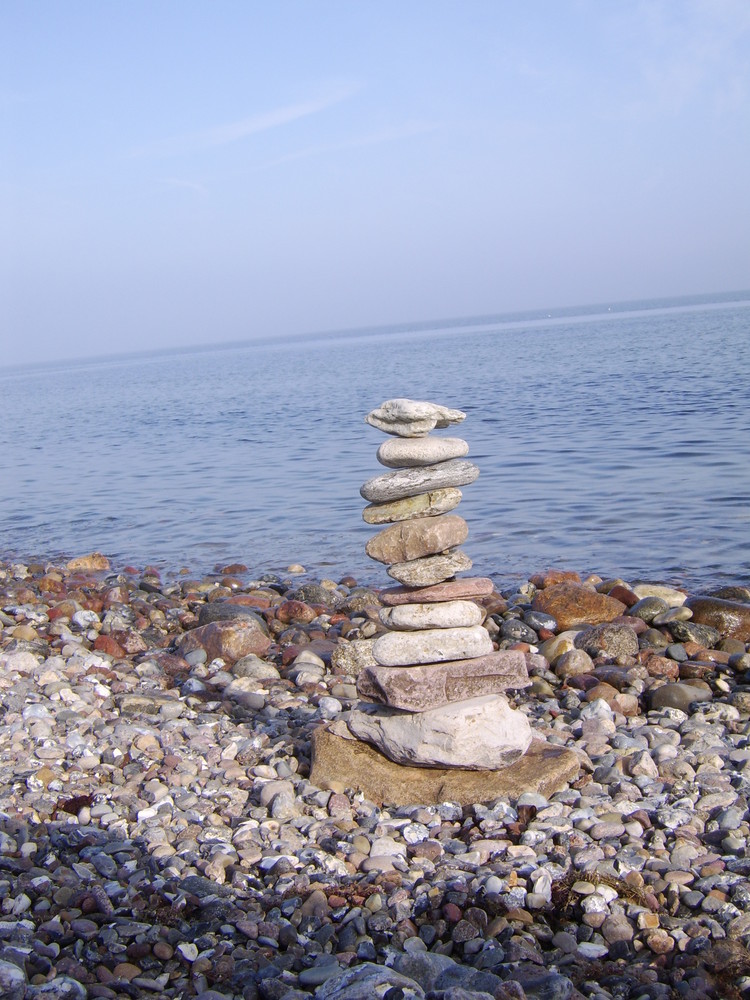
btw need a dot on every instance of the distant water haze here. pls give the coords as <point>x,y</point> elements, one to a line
<point>611,439</point>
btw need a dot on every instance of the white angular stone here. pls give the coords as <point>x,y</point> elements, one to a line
<point>674,598</point>
<point>411,417</point>
<point>403,453</point>
<point>447,614</point>
<point>399,649</point>
<point>480,734</point>
<point>401,483</point>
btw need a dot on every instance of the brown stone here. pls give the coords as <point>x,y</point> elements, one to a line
<point>230,640</point>
<point>424,536</point>
<point>451,590</point>
<point>553,576</point>
<point>335,761</point>
<point>420,688</point>
<point>731,618</point>
<point>571,604</point>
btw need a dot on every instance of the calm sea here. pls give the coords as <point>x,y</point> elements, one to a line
<point>610,439</point>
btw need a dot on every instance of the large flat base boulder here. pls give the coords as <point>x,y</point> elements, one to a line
<point>340,763</point>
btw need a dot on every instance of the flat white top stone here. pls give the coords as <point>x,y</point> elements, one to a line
<point>412,417</point>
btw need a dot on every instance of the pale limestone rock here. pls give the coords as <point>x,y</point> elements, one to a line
<point>425,536</point>
<point>411,417</point>
<point>430,570</point>
<point>478,734</point>
<point>674,598</point>
<point>402,483</point>
<point>423,505</point>
<point>475,587</point>
<point>420,688</point>
<point>443,614</point>
<point>399,649</point>
<point>403,453</point>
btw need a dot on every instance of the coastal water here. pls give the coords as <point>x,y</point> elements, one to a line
<point>610,439</point>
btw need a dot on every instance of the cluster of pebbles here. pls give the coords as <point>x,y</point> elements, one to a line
<point>434,669</point>
<point>160,835</point>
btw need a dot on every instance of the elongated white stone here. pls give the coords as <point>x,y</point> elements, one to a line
<point>398,649</point>
<point>479,734</point>
<point>402,453</point>
<point>409,482</point>
<point>447,614</point>
<point>411,417</point>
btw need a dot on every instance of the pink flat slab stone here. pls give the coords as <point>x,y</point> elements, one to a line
<point>471,587</point>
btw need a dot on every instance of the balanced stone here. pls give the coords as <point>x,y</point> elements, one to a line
<point>478,734</point>
<point>425,536</point>
<point>419,688</point>
<point>398,649</point>
<point>421,505</point>
<point>431,569</point>
<point>400,453</point>
<point>412,418</point>
<point>409,482</point>
<point>474,587</point>
<point>445,614</point>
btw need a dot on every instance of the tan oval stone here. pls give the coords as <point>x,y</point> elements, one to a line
<point>441,614</point>
<point>404,453</point>
<point>425,536</point>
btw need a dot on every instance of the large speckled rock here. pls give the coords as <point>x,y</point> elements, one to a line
<point>230,640</point>
<point>409,482</point>
<point>411,417</point>
<point>405,453</point>
<point>337,761</point>
<point>415,539</point>
<point>730,618</point>
<point>423,505</point>
<point>474,587</point>
<point>419,688</point>
<point>441,614</point>
<point>480,733</point>
<point>611,639</point>
<point>430,569</point>
<point>399,649</point>
<point>572,604</point>
<point>366,982</point>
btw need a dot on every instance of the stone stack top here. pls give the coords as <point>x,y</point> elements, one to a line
<point>410,418</point>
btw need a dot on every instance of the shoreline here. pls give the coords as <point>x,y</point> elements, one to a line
<point>159,835</point>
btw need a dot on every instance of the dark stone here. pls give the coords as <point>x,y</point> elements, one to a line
<point>691,631</point>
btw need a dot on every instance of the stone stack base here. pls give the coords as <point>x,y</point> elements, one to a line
<point>339,763</point>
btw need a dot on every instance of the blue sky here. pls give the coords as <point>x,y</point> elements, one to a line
<point>175,172</point>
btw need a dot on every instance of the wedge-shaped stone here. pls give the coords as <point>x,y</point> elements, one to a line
<point>425,536</point>
<point>400,649</point>
<point>430,570</point>
<point>412,417</point>
<point>479,734</point>
<point>423,505</point>
<point>409,482</point>
<point>475,587</point>
<point>406,453</point>
<point>420,688</point>
<point>442,614</point>
<point>340,763</point>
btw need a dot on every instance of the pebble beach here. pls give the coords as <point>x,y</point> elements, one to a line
<point>160,834</point>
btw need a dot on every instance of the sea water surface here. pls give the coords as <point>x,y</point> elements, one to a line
<point>610,439</point>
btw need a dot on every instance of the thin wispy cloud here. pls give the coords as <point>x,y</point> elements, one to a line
<point>407,131</point>
<point>230,132</point>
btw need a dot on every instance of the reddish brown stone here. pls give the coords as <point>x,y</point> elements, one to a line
<point>130,641</point>
<point>662,666</point>
<point>624,594</point>
<point>572,604</point>
<point>230,640</point>
<point>106,644</point>
<point>295,611</point>
<point>51,585</point>
<point>553,576</point>
<point>450,590</point>
<point>731,618</point>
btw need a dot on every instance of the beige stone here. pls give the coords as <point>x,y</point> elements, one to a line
<point>425,536</point>
<point>430,569</point>
<point>339,762</point>
<point>399,649</point>
<point>440,614</point>
<point>423,505</point>
<point>404,453</point>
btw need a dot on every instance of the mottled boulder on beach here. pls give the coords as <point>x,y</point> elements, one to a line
<point>730,618</point>
<point>573,604</point>
<point>230,640</point>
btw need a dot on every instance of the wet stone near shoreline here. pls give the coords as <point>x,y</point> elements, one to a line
<point>160,835</point>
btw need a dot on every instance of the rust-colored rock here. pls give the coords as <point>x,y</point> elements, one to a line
<point>106,644</point>
<point>571,604</point>
<point>731,618</point>
<point>342,763</point>
<point>553,576</point>
<point>230,640</point>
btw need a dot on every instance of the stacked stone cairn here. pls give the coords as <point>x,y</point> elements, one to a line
<point>436,690</point>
